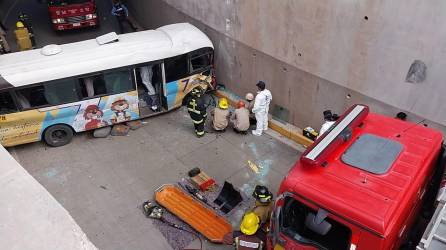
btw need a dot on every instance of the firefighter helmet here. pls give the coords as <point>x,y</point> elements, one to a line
<point>262,194</point>
<point>223,103</point>
<point>19,24</point>
<point>240,104</point>
<point>249,97</point>
<point>196,91</point>
<point>250,223</point>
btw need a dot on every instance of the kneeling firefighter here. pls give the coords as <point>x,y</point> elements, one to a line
<point>197,111</point>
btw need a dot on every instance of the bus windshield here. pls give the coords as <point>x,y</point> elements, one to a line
<point>294,224</point>
<point>66,2</point>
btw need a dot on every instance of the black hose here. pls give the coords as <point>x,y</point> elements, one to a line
<point>171,224</point>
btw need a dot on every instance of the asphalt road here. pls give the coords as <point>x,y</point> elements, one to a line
<point>102,182</point>
<point>44,33</point>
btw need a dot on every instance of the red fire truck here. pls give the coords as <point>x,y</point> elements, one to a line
<point>370,182</point>
<point>72,14</point>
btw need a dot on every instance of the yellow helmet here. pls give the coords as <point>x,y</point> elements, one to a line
<point>250,223</point>
<point>19,25</point>
<point>223,103</point>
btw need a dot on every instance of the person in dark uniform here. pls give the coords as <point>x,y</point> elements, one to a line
<point>247,238</point>
<point>122,14</point>
<point>197,111</point>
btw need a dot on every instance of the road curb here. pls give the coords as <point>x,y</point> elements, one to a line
<point>286,129</point>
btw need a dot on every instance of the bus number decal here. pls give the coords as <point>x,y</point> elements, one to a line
<point>2,117</point>
<point>186,82</point>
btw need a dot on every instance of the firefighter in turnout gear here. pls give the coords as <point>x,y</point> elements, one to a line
<point>197,111</point>
<point>247,238</point>
<point>263,206</point>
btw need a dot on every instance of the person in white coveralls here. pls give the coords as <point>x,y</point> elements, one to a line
<point>261,108</point>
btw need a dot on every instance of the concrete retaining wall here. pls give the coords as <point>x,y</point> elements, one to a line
<point>318,55</point>
<point>30,218</point>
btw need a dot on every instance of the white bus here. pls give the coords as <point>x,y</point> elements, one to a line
<point>49,94</point>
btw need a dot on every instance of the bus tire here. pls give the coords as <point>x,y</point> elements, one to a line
<point>58,135</point>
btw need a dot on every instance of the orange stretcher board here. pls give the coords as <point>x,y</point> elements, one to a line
<point>192,212</point>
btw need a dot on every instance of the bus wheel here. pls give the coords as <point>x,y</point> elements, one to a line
<point>58,135</point>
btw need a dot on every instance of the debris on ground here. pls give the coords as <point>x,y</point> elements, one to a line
<point>228,198</point>
<point>254,167</point>
<point>134,125</point>
<point>201,180</point>
<point>120,130</point>
<point>102,132</point>
<point>177,239</point>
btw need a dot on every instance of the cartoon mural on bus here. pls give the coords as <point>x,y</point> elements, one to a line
<point>177,90</point>
<point>93,115</point>
<point>28,126</point>
<point>120,111</point>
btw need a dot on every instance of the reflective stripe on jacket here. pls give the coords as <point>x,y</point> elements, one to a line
<point>196,109</point>
<point>248,242</point>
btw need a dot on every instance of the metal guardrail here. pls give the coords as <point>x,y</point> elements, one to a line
<point>434,237</point>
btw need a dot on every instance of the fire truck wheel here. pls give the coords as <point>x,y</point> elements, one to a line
<point>58,135</point>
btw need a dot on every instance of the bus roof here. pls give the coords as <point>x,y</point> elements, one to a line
<point>29,67</point>
<point>379,201</point>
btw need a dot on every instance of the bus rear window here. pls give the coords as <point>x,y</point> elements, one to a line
<point>294,224</point>
<point>6,104</point>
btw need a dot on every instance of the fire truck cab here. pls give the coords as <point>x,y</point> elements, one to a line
<point>362,185</point>
<point>72,14</point>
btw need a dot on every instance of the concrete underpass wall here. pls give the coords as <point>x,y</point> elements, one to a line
<point>316,55</point>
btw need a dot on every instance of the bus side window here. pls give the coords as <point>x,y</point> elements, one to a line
<point>200,62</point>
<point>32,97</point>
<point>176,68</point>
<point>52,93</point>
<point>93,86</point>
<point>6,104</point>
<point>118,82</point>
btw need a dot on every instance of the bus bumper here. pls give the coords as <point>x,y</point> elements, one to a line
<point>79,25</point>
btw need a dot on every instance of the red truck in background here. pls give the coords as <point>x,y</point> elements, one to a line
<point>72,14</point>
<point>370,182</point>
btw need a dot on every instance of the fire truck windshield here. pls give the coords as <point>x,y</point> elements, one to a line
<point>66,2</point>
<point>294,223</point>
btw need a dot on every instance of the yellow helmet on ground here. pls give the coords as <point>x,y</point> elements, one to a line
<point>250,223</point>
<point>19,25</point>
<point>223,103</point>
